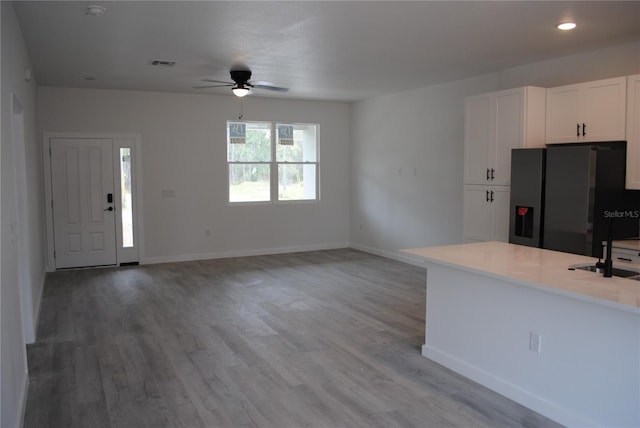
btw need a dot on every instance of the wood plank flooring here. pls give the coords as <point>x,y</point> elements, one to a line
<point>316,339</point>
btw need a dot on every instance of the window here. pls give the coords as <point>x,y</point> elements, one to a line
<point>249,157</point>
<point>125,191</point>
<point>297,159</point>
<point>272,163</point>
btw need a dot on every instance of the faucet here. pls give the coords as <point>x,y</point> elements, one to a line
<point>608,263</point>
<point>607,266</point>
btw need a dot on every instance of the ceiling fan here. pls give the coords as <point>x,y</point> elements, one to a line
<point>241,85</point>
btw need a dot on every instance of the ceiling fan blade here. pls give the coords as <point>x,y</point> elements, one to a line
<point>210,86</point>
<point>218,81</point>
<point>268,86</point>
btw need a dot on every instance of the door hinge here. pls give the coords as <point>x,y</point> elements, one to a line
<point>49,151</point>
<point>54,254</point>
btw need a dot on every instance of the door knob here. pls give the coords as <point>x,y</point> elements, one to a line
<point>109,209</point>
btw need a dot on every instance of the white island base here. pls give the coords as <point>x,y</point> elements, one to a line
<point>573,357</point>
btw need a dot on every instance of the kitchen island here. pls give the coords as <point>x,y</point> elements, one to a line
<point>565,343</point>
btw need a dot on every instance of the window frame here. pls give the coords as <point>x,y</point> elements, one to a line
<point>274,165</point>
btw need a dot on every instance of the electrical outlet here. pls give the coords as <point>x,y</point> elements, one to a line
<point>535,342</point>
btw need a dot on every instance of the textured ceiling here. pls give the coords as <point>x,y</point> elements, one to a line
<point>330,50</point>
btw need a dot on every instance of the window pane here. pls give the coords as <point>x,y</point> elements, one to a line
<point>126,202</point>
<point>249,182</point>
<point>304,147</point>
<point>257,145</point>
<point>296,182</point>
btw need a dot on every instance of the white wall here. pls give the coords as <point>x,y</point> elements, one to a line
<point>407,150</point>
<point>406,167</point>
<point>621,60</point>
<point>184,151</point>
<point>22,220</point>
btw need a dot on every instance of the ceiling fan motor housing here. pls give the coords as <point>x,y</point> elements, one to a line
<point>241,77</point>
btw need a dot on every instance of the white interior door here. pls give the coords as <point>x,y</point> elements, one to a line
<point>83,212</point>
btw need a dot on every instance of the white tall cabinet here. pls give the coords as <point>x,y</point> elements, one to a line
<point>585,112</point>
<point>495,123</point>
<point>633,132</point>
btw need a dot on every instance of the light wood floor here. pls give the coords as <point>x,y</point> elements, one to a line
<point>318,339</point>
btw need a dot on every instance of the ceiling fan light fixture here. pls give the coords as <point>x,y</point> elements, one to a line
<point>566,26</point>
<point>240,91</point>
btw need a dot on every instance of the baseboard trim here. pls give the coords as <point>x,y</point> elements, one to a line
<point>242,253</point>
<point>36,309</point>
<point>400,257</point>
<point>513,392</point>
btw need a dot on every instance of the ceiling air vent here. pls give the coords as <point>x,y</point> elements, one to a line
<point>163,63</point>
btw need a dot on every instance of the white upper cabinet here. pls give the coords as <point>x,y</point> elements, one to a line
<point>592,111</point>
<point>478,139</point>
<point>633,132</point>
<point>497,122</point>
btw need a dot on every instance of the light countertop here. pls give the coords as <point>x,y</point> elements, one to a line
<point>536,267</point>
<point>627,244</point>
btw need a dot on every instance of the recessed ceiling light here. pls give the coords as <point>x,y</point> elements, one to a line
<point>95,10</point>
<point>567,26</point>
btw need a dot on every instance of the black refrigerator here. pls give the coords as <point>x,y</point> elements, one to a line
<point>566,197</point>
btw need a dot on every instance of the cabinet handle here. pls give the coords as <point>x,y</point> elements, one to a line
<point>487,174</point>
<point>584,129</point>
<point>492,196</point>
<point>492,176</point>
<point>577,129</point>
<point>624,259</point>
<point>486,198</point>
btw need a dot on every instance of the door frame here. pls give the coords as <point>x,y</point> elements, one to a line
<point>134,141</point>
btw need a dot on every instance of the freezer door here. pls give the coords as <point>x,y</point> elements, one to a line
<point>527,192</point>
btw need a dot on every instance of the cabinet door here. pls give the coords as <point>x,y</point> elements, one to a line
<point>509,130</point>
<point>486,213</point>
<point>592,111</point>
<point>602,110</point>
<point>478,136</point>
<point>500,213</point>
<point>633,132</point>
<point>477,214</point>
<point>563,114</point>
